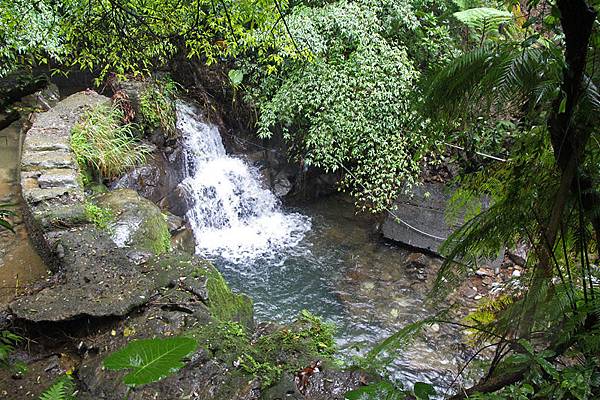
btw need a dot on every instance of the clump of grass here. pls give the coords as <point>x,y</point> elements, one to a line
<point>99,216</point>
<point>157,106</point>
<point>100,142</point>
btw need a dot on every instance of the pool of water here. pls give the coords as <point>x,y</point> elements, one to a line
<point>345,273</point>
<point>20,264</point>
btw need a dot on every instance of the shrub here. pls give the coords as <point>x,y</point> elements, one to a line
<point>157,106</point>
<point>100,141</point>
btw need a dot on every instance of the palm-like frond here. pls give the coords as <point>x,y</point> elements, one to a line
<point>502,78</point>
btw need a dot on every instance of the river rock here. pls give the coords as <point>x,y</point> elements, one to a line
<point>137,223</point>
<point>418,217</point>
<point>184,241</point>
<point>154,180</point>
<point>96,279</point>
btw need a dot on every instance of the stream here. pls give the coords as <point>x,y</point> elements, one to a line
<point>319,257</point>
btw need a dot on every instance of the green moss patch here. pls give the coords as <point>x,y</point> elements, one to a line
<point>284,349</point>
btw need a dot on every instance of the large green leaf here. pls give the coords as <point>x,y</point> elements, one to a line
<point>151,359</point>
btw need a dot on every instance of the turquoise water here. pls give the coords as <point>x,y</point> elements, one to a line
<point>345,273</point>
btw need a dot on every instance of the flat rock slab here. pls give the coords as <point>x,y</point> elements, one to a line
<point>98,280</point>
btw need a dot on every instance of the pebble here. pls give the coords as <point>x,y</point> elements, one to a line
<point>516,273</point>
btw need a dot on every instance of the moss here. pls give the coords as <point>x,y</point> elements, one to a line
<point>286,349</point>
<point>98,216</point>
<point>225,305</point>
<point>161,243</point>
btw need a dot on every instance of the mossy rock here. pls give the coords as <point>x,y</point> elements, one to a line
<point>204,280</point>
<point>138,223</point>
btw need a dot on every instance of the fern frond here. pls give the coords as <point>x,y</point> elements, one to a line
<point>499,78</point>
<point>483,19</point>
<point>62,389</point>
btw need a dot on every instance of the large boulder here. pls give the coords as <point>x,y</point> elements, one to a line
<point>418,218</point>
<point>153,181</point>
<point>137,223</point>
<point>96,279</point>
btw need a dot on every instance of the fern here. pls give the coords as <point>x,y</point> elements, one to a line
<point>62,389</point>
<point>483,19</point>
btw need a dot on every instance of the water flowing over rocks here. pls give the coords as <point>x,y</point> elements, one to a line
<point>114,285</point>
<point>230,211</point>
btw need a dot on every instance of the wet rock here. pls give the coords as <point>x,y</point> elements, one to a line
<point>96,279</point>
<point>484,272</point>
<point>137,223</point>
<point>176,202</point>
<point>174,222</point>
<point>516,258</point>
<point>281,185</point>
<point>416,260</point>
<point>328,384</point>
<point>422,212</point>
<point>154,181</point>
<point>184,241</point>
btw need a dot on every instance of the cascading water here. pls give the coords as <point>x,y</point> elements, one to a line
<point>232,215</point>
<point>332,268</point>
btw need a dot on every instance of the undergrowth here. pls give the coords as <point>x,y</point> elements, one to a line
<point>97,215</point>
<point>62,389</point>
<point>285,349</point>
<point>8,342</point>
<point>100,142</point>
<point>157,106</point>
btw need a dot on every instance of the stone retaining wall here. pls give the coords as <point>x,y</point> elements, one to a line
<point>50,186</point>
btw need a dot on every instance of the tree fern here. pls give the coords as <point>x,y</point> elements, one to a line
<point>483,19</point>
<point>62,389</point>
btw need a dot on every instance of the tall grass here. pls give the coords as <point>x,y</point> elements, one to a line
<point>100,141</point>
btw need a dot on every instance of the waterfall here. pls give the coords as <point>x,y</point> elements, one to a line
<point>231,214</point>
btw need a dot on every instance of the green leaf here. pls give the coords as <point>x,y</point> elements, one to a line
<point>483,18</point>
<point>423,390</point>
<point>236,77</point>
<point>563,106</point>
<point>62,389</point>
<point>151,359</point>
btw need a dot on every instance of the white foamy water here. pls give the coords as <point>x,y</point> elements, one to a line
<point>232,215</point>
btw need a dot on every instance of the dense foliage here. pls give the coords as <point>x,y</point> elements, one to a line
<point>352,108</point>
<point>122,36</point>
<point>341,82</point>
<point>540,73</point>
